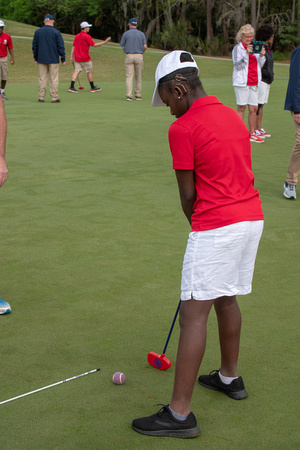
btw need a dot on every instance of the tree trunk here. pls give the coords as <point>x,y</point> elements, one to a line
<point>298,20</point>
<point>183,12</point>
<point>209,32</point>
<point>253,13</point>
<point>157,18</point>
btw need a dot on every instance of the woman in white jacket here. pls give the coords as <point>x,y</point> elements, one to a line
<point>247,76</point>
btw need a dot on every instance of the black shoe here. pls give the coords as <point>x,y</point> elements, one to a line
<point>41,100</point>
<point>95,89</point>
<point>235,389</point>
<point>55,101</point>
<point>73,90</point>
<point>164,424</point>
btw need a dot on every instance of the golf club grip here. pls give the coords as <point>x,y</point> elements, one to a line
<point>172,326</point>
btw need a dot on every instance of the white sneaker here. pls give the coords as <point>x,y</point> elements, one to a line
<point>264,133</point>
<point>255,138</point>
<point>259,134</point>
<point>4,307</point>
<point>289,190</point>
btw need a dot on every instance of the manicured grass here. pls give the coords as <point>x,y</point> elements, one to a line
<point>92,245</point>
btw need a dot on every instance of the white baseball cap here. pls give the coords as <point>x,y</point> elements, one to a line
<point>85,25</point>
<point>2,23</point>
<point>178,59</point>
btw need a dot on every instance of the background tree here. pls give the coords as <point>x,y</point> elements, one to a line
<point>201,26</point>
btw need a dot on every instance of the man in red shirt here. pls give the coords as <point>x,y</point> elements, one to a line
<point>80,55</point>
<point>6,46</point>
<point>216,188</point>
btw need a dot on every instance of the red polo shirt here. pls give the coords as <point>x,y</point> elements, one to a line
<point>82,44</point>
<point>252,70</point>
<point>5,43</point>
<point>212,140</point>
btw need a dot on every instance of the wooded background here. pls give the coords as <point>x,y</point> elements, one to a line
<point>200,26</point>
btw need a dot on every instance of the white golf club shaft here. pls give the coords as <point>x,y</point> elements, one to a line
<point>49,386</point>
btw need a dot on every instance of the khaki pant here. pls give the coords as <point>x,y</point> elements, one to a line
<point>134,65</point>
<point>3,68</point>
<point>294,165</point>
<point>48,72</point>
<point>87,67</point>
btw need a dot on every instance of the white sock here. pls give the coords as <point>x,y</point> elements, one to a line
<point>226,380</point>
<point>176,415</point>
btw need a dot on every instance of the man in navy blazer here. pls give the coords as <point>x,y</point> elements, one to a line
<point>47,47</point>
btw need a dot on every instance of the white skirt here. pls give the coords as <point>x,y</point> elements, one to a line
<point>220,262</point>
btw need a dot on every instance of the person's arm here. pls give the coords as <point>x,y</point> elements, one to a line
<point>12,59</point>
<point>260,57</point>
<point>72,54</point>
<point>103,42</point>
<point>3,128</point>
<point>187,191</point>
<point>61,49</point>
<point>296,117</point>
<point>35,48</point>
<point>144,43</point>
<point>239,57</point>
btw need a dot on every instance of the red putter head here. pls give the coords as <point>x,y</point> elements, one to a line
<point>158,361</point>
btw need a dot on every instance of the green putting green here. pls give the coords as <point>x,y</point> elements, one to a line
<point>92,244</point>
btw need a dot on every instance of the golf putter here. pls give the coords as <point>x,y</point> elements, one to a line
<point>79,87</point>
<point>160,361</point>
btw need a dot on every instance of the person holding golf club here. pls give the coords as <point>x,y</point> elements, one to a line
<point>80,57</point>
<point>216,187</point>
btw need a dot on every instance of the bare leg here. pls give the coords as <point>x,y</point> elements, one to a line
<point>241,111</point>
<point>191,348</point>
<point>75,75</point>
<point>90,76</point>
<point>252,118</point>
<point>229,322</point>
<point>259,117</point>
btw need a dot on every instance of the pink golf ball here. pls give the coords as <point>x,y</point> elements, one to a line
<point>118,378</point>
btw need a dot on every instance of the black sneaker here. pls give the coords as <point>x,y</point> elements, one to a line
<point>235,389</point>
<point>164,424</point>
<point>95,89</point>
<point>73,90</point>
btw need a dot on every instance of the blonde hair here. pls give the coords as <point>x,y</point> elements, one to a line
<point>245,29</point>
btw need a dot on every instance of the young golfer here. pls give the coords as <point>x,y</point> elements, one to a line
<point>80,56</point>
<point>6,46</point>
<point>216,187</point>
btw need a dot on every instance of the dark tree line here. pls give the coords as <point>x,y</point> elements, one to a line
<point>201,26</point>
